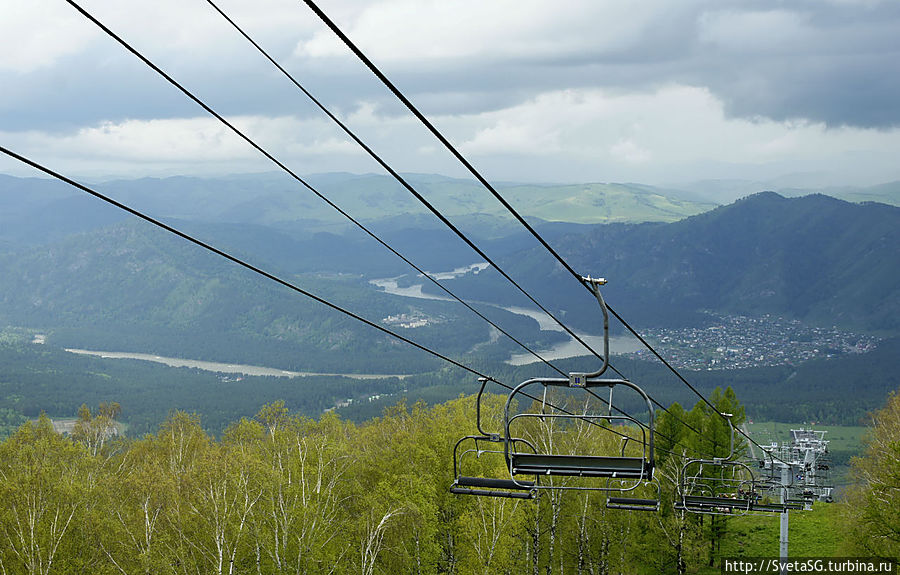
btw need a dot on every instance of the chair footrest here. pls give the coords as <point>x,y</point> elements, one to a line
<point>490,493</point>
<point>466,481</point>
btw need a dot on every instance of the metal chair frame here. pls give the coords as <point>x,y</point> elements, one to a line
<point>731,489</point>
<point>487,486</point>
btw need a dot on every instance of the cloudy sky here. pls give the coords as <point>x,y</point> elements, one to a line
<point>651,91</point>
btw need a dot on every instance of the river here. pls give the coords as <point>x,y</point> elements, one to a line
<point>223,367</point>
<point>562,350</point>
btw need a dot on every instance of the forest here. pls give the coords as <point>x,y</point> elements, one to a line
<point>284,493</point>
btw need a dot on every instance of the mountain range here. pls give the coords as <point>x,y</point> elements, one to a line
<point>813,258</point>
<point>86,275</point>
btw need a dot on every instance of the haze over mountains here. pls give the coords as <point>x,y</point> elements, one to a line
<point>89,276</point>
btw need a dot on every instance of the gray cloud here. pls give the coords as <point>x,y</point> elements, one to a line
<point>492,74</point>
<point>832,63</point>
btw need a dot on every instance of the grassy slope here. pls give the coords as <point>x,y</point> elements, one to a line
<point>841,438</point>
<point>596,203</point>
<point>813,533</point>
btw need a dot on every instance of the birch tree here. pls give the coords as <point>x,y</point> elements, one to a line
<point>44,487</point>
<point>297,519</point>
<point>873,505</point>
<point>136,497</point>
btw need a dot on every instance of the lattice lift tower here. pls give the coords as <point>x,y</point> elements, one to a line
<point>810,462</point>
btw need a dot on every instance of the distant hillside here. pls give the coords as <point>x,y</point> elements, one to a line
<point>83,275</point>
<point>35,210</point>
<point>885,193</point>
<point>129,287</point>
<point>814,258</point>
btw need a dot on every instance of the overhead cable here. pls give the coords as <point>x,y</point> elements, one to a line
<point>270,276</point>
<point>282,166</point>
<point>397,176</point>
<point>294,175</point>
<point>484,182</point>
<point>404,182</point>
<point>237,260</point>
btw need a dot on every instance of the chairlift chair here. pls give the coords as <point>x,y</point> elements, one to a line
<point>717,486</point>
<point>634,470</point>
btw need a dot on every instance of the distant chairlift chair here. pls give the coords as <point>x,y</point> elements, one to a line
<point>721,486</point>
<point>717,486</point>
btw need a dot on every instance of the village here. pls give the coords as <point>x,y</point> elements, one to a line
<point>739,342</point>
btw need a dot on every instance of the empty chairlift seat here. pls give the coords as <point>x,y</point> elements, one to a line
<point>634,502</point>
<point>580,465</point>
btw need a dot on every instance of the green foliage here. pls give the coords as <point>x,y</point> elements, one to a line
<point>45,486</point>
<point>872,504</point>
<point>10,420</point>
<point>282,493</point>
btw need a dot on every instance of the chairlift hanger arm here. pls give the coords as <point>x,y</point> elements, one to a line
<point>483,381</point>
<point>594,284</point>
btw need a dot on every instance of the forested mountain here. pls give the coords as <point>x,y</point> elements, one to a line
<point>134,288</point>
<point>814,258</point>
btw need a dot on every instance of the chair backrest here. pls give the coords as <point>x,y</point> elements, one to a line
<point>585,461</point>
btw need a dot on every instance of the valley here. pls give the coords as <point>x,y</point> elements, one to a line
<point>717,293</point>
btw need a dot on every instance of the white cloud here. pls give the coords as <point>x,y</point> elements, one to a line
<point>36,33</point>
<point>652,136</point>
<point>181,146</point>
<point>629,152</point>
<point>565,135</point>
